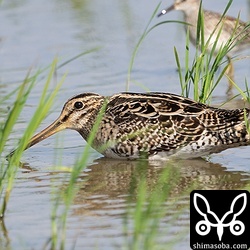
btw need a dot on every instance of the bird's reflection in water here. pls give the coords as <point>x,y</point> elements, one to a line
<point>108,190</point>
<point>109,182</point>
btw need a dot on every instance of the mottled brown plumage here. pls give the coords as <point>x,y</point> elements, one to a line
<point>153,125</point>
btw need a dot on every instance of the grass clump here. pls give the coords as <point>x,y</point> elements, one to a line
<point>210,63</point>
<point>9,168</point>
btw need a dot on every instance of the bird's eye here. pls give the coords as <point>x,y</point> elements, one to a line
<point>78,105</point>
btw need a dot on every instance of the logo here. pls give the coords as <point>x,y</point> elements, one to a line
<point>219,219</point>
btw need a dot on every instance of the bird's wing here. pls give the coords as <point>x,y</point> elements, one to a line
<point>172,118</point>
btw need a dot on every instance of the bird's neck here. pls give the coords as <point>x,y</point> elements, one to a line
<point>93,117</point>
<point>191,13</point>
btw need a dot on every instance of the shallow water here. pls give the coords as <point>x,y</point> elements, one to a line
<point>32,34</point>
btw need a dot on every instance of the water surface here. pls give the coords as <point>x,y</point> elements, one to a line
<point>32,34</point>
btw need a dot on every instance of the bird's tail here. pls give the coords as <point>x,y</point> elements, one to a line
<point>247,121</point>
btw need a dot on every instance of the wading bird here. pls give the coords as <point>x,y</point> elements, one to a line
<point>150,125</point>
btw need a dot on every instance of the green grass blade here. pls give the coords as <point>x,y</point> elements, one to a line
<point>141,39</point>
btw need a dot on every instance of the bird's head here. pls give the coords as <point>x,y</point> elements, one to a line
<point>79,113</point>
<point>181,5</point>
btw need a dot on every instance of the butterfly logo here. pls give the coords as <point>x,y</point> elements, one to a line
<point>203,227</point>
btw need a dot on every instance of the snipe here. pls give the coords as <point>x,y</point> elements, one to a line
<point>151,125</point>
<point>218,30</point>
